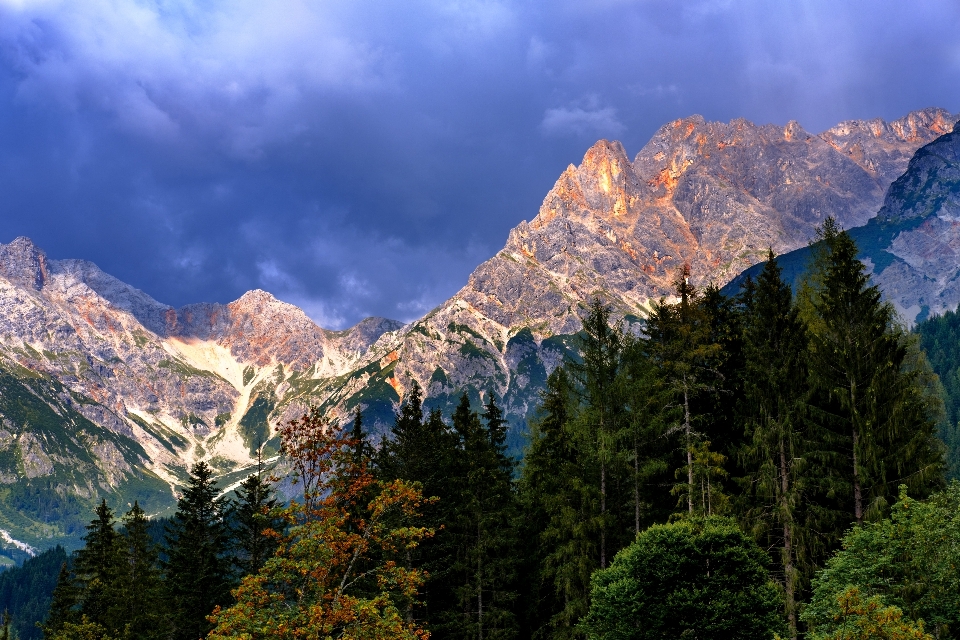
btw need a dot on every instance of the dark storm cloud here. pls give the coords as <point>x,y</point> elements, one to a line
<point>363,156</point>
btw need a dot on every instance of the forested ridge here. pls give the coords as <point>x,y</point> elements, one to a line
<point>736,468</point>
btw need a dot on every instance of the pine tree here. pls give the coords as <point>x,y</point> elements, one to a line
<point>423,451</point>
<point>483,533</point>
<point>197,570</point>
<point>63,603</point>
<point>774,410</point>
<point>596,378</point>
<point>869,395</point>
<point>556,502</point>
<point>137,611</point>
<point>97,566</point>
<point>646,446</point>
<point>253,521</point>
<point>681,348</point>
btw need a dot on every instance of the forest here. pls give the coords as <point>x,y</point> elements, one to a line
<point>773,464</point>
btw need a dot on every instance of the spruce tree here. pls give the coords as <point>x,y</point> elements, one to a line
<point>558,497</point>
<point>682,348</point>
<point>423,451</point>
<point>96,567</point>
<point>251,518</point>
<point>63,603</point>
<point>137,610</point>
<point>880,416</point>
<point>197,569</point>
<point>483,533</point>
<point>774,413</point>
<point>596,376</point>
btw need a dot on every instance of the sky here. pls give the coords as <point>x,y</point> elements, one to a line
<point>362,157</point>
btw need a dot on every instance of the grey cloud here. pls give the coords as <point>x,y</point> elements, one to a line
<point>577,120</point>
<point>363,156</point>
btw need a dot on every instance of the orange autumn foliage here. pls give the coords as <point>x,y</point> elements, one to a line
<point>335,573</point>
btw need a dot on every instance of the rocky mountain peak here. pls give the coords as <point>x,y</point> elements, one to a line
<point>930,186</point>
<point>23,263</point>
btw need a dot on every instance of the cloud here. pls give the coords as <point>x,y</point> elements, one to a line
<point>582,121</point>
<point>362,157</point>
<point>238,69</point>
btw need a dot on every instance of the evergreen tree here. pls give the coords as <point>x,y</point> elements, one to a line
<point>63,603</point>
<point>97,566</point>
<point>483,532</point>
<point>137,610</point>
<point>423,451</point>
<point>596,378</point>
<point>197,569</point>
<point>645,446</point>
<point>681,348</point>
<point>252,519</point>
<point>556,502</point>
<point>870,398</point>
<point>773,411</point>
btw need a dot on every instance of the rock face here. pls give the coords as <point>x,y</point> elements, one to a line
<point>135,390</point>
<point>912,246</point>
<point>917,265</point>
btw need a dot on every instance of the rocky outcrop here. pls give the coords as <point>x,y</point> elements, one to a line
<point>919,268</point>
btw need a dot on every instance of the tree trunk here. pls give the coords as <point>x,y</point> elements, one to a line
<point>603,515</point>
<point>479,587</point>
<point>788,568</point>
<point>688,429</point>
<point>636,486</point>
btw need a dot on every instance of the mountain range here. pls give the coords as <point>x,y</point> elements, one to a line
<point>106,392</point>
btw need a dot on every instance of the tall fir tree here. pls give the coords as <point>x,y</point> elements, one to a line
<point>96,567</point>
<point>869,397</point>
<point>197,572</point>
<point>254,523</point>
<point>683,350</point>
<point>63,603</point>
<point>596,378</point>
<point>774,412</point>
<point>558,497</point>
<point>483,533</point>
<point>137,610</point>
<point>423,451</point>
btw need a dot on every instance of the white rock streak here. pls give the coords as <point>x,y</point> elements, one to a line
<point>23,546</point>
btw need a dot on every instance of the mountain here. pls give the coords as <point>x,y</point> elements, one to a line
<point>105,391</point>
<point>912,246</point>
<point>713,195</point>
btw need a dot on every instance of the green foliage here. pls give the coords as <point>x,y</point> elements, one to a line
<point>774,410</point>
<point>254,522</point>
<point>85,629</point>
<point>694,578</point>
<point>880,417</point>
<point>197,572</point>
<point>25,591</point>
<point>482,528</point>
<point>940,339</point>
<point>910,560</point>
<point>870,619</point>
<point>254,426</point>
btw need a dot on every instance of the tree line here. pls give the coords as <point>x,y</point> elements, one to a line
<point>749,432</point>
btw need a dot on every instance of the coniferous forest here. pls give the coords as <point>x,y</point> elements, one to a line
<point>748,467</point>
